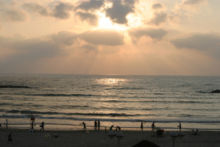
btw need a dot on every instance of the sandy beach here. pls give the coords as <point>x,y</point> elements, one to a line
<point>25,138</point>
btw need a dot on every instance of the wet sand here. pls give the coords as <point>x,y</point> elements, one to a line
<point>25,138</point>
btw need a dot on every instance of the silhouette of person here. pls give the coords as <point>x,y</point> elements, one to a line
<point>153,127</point>
<point>195,131</point>
<point>6,123</point>
<point>32,122</point>
<point>142,126</point>
<point>118,128</point>
<point>84,125</point>
<point>111,127</point>
<point>179,126</point>
<point>111,132</point>
<point>95,125</point>
<point>10,137</point>
<point>42,126</point>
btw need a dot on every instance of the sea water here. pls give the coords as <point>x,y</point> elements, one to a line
<point>65,101</point>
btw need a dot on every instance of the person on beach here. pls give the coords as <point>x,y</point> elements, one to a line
<point>142,126</point>
<point>179,127</point>
<point>10,137</point>
<point>95,125</point>
<point>118,128</point>
<point>153,127</point>
<point>32,122</point>
<point>119,133</point>
<point>195,132</point>
<point>42,126</point>
<point>111,127</point>
<point>84,126</point>
<point>32,126</point>
<point>6,123</point>
<point>111,133</point>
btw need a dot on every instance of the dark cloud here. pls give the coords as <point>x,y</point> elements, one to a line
<point>39,47</point>
<point>58,10</point>
<point>11,15</point>
<point>91,18</point>
<point>35,49</point>
<point>159,18</point>
<point>32,48</point>
<point>63,38</point>
<point>62,10</point>
<point>204,42</point>
<point>91,4</point>
<point>193,2</point>
<point>28,52</point>
<point>119,10</point>
<point>199,41</point>
<point>111,38</point>
<point>157,6</point>
<point>153,33</point>
<point>33,7</point>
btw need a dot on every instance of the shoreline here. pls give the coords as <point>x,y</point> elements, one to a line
<point>91,138</point>
<point>90,127</point>
<point>165,124</point>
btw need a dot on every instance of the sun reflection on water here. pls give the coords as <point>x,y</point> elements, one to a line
<point>111,81</point>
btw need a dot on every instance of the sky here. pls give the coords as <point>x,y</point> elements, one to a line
<point>110,37</point>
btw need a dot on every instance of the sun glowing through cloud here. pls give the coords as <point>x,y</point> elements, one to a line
<point>105,23</point>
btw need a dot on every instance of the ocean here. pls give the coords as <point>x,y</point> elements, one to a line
<point>65,101</point>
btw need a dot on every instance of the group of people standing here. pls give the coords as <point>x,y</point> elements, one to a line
<point>32,124</point>
<point>97,125</point>
<point>153,127</point>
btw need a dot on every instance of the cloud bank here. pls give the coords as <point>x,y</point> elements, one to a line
<point>193,2</point>
<point>102,37</point>
<point>152,33</point>
<point>203,42</point>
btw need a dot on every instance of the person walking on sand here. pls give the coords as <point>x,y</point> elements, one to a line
<point>142,126</point>
<point>179,127</point>
<point>84,126</point>
<point>42,126</point>
<point>95,125</point>
<point>99,125</point>
<point>6,123</point>
<point>153,127</point>
<point>32,122</point>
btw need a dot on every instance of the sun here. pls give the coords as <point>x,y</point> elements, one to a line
<point>106,23</point>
